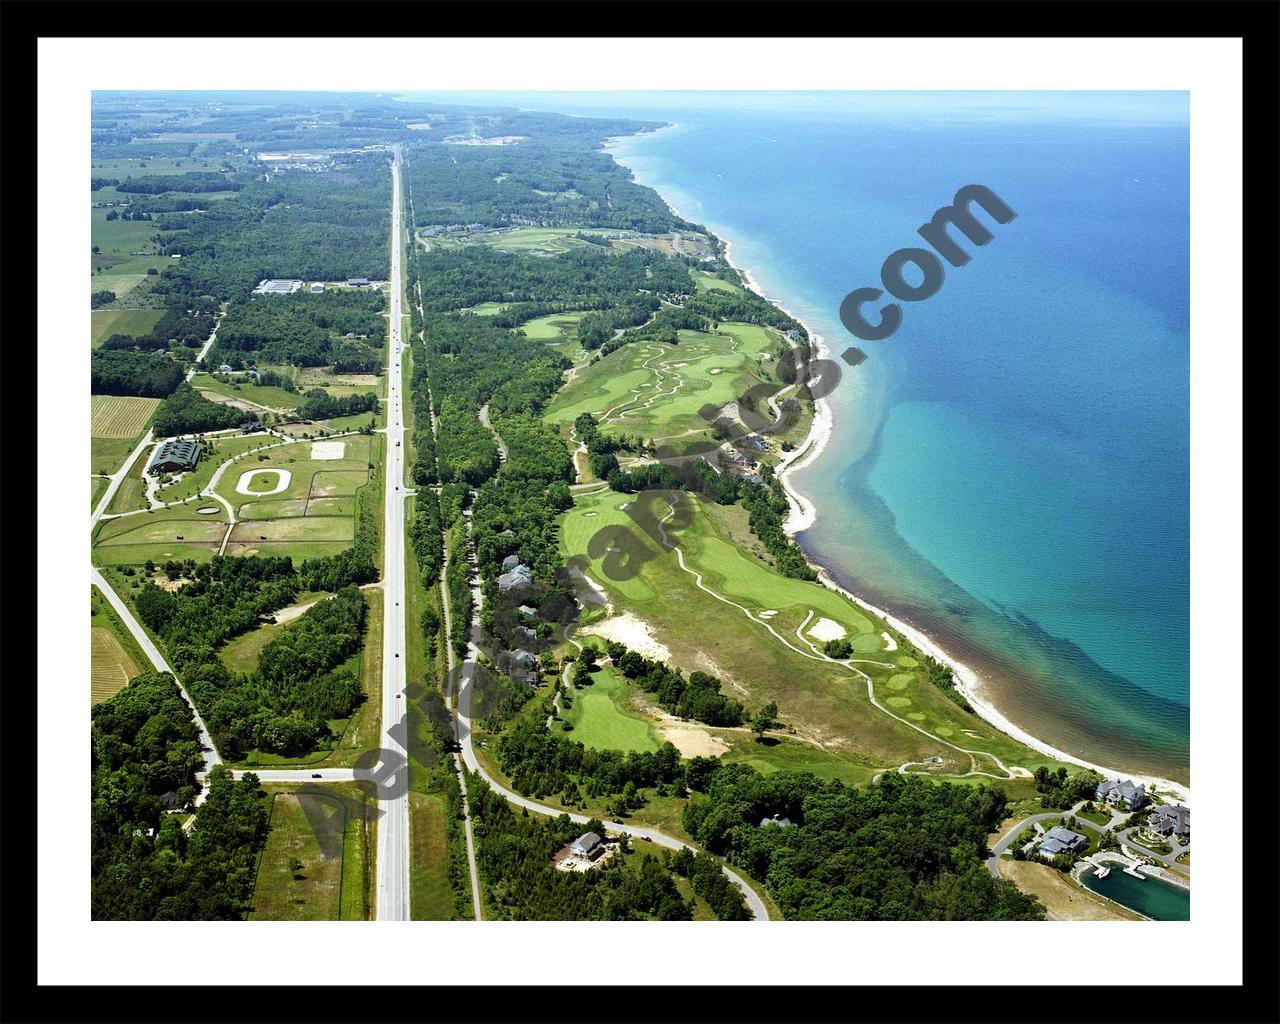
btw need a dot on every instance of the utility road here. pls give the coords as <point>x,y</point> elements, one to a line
<point>393,790</point>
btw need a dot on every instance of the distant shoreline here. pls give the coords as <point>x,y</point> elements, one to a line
<point>804,514</point>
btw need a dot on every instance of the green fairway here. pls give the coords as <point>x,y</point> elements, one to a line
<point>709,282</point>
<point>486,308</point>
<point>600,717</point>
<point>658,390</point>
<point>556,327</point>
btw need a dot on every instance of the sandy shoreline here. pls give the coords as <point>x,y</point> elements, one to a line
<point>804,514</point>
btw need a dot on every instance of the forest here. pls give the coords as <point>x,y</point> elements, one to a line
<point>114,372</point>
<point>186,411</point>
<point>144,744</point>
<point>192,181</point>
<point>306,330</point>
<point>318,404</point>
<point>906,848</point>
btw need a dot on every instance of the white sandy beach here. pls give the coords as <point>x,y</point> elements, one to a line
<point>804,514</point>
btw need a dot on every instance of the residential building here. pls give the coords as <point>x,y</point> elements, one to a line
<point>317,288</point>
<point>1121,793</point>
<point>776,820</point>
<point>169,800</point>
<point>1062,840</point>
<point>1171,821</point>
<point>517,577</point>
<point>175,457</point>
<point>587,845</point>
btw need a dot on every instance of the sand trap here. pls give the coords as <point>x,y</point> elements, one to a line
<point>208,510</point>
<point>890,644</point>
<point>328,450</point>
<point>692,741</point>
<point>624,506</point>
<point>283,477</point>
<point>714,370</point>
<point>768,613</point>
<point>632,632</point>
<point>588,515</point>
<point>827,629</point>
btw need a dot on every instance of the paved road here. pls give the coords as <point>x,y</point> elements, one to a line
<point>300,775</point>
<point>117,478</point>
<point>393,827</point>
<point>993,861</point>
<point>159,664</point>
<point>463,720</point>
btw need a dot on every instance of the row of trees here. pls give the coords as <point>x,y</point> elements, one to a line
<point>697,697</point>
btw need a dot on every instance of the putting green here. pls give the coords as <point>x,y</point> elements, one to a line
<point>899,681</point>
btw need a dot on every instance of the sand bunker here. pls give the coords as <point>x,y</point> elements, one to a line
<point>283,476</point>
<point>328,450</point>
<point>714,370</point>
<point>588,515</point>
<point>631,632</point>
<point>768,613</point>
<point>827,629</point>
<point>890,644</point>
<point>208,510</point>
<point>692,741</point>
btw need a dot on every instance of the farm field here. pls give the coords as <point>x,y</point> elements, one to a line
<point>317,864</point>
<point>120,417</point>
<point>138,167</point>
<point>657,390</point>
<point>120,284</point>
<point>823,701</point>
<point>113,654</point>
<point>600,716</point>
<point>134,322</point>
<point>352,737</point>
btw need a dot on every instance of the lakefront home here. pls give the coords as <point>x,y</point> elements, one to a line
<point>1120,793</point>
<point>1171,821</point>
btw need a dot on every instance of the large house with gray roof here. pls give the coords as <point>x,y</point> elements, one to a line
<point>1171,821</point>
<point>1121,793</point>
<point>1062,840</point>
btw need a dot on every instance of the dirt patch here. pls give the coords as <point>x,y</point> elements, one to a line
<point>328,450</point>
<point>1064,900</point>
<point>283,477</point>
<point>165,583</point>
<point>293,611</point>
<point>692,740</point>
<point>632,632</point>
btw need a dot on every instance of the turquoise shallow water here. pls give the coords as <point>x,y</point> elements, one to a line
<point>1010,470</point>
<point>1158,900</point>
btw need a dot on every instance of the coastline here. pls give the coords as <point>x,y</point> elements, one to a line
<point>803,514</point>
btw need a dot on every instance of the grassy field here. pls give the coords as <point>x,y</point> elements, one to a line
<point>317,864</point>
<point>132,540</point>
<point>559,331</point>
<point>353,736</point>
<point>824,702</point>
<point>657,390</point>
<point>97,486</point>
<point>315,514</point>
<point>601,718</point>
<point>705,282</point>
<point>114,655</point>
<point>134,322</point>
<point>106,454</point>
<point>550,240</point>
<point>486,308</point>
<point>430,896</point>
<point>241,654</point>
<point>276,399</point>
<point>134,167</point>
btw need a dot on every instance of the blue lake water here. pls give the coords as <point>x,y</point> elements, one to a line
<point>1010,470</point>
<point>1157,900</point>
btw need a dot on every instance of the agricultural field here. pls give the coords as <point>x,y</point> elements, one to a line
<point>601,716</point>
<point>288,501</point>
<point>97,487</point>
<point>134,322</point>
<point>120,417</point>
<point>317,864</point>
<point>161,535</point>
<point>113,654</point>
<point>657,390</point>
<point>139,167</point>
<point>767,639</point>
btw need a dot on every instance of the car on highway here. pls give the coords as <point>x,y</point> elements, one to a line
<point>315,775</point>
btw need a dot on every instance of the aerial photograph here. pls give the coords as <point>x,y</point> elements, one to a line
<point>640,506</point>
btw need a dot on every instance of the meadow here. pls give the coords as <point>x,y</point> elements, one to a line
<point>134,322</point>
<point>133,539</point>
<point>274,399</point>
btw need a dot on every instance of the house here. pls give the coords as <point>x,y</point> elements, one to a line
<point>357,282</point>
<point>510,562</point>
<point>523,658</point>
<point>169,800</point>
<point>528,611</point>
<point>175,457</point>
<point>776,820</point>
<point>225,368</point>
<point>1119,793</point>
<point>317,288</point>
<point>1171,821</point>
<point>587,845</point>
<point>519,576</point>
<point>758,443</point>
<point>1062,840</point>
<point>350,335</point>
